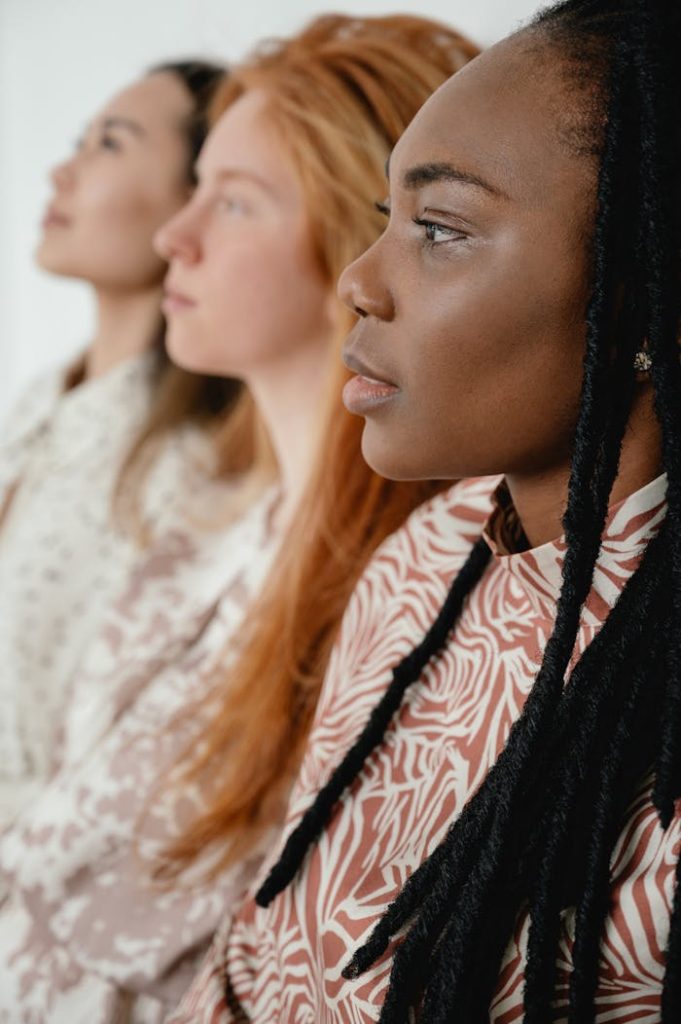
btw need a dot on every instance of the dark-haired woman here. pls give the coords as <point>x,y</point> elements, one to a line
<point>501,839</point>
<point>76,437</point>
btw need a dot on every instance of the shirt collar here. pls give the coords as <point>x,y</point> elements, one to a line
<point>126,386</point>
<point>629,527</point>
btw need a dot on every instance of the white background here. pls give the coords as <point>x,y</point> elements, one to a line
<point>61,59</point>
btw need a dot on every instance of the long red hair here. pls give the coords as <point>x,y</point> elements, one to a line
<point>341,93</point>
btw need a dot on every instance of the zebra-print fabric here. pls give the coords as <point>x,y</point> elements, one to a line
<point>284,963</point>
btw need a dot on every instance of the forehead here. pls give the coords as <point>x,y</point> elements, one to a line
<point>500,118</point>
<point>245,128</point>
<point>246,139</point>
<point>158,99</point>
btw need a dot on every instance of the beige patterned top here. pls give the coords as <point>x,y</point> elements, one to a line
<point>62,557</point>
<point>86,937</point>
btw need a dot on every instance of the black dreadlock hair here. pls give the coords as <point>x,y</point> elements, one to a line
<point>540,831</point>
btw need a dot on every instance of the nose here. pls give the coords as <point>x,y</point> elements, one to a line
<point>62,175</point>
<point>179,237</point>
<point>362,287</point>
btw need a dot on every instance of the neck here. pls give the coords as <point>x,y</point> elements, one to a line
<point>540,499</point>
<point>128,323</point>
<point>290,397</point>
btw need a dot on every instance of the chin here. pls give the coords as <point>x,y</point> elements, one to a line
<point>52,262</point>
<point>182,352</point>
<point>185,353</point>
<point>394,460</point>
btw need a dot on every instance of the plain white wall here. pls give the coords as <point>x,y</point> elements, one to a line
<point>60,60</point>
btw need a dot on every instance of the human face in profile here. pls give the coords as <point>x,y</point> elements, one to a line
<point>128,174</point>
<point>469,347</point>
<point>245,292</point>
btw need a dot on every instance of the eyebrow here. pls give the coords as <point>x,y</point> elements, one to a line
<point>426,174</point>
<point>236,173</point>
<point>123,122</point>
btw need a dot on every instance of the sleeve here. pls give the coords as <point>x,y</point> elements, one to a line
<point>205,1002</point>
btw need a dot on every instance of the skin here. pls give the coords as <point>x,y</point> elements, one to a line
<point>127,176</point>
<point>244,291</point>
<point>245,294</point>
<point>477,318</point>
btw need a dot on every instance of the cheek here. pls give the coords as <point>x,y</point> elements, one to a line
<point>257,303</point>
<point>128,211</point>
<point>492,375</point>
<point>110,239</point>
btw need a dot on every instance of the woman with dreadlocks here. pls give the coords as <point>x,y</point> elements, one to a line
<point>501,839</point>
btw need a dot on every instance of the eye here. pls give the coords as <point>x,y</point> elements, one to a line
<point>233,205</point>
<point>107,141</point>
<point>383,208</point>
<point>436,233</point>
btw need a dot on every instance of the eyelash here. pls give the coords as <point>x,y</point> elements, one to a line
<point>428,225</point>
<point>231,205</point>
<point>105,141</point>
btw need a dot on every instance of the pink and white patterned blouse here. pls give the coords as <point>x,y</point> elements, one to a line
<point>284,963</point>
<point>86,935</point>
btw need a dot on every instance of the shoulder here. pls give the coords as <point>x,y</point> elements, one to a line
<point>430,546</point>
<point>393,605</point>
<point>30,411</point>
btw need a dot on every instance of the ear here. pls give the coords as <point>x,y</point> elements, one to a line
<point>643,361</point>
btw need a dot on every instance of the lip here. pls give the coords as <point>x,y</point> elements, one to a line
<point>367,390</point>
<point>55,218</point>
<point>175,301</point>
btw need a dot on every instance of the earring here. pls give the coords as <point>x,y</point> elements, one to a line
<point>642,361</point>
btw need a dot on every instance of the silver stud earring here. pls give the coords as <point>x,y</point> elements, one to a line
<point>642,361</point>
